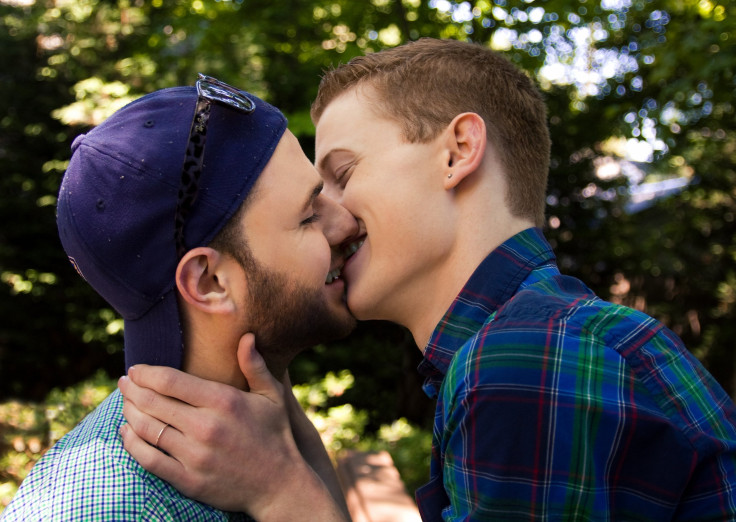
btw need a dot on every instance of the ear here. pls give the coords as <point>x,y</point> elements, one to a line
<point>203,279</point>
<point>465,138</point>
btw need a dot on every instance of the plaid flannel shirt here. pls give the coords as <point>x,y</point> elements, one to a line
<point>88,475</point>
<point>556,405</point>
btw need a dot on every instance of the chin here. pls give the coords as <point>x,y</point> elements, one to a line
<point>344,321</point>
<point>360,310</point>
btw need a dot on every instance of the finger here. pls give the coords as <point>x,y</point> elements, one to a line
<point>255,370</point>
<point>163,408</point>
<point>175,384</point>
<point>149,457</point>
<point>159,434</point>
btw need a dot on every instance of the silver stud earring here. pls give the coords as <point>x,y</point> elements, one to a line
<point>449,175</point>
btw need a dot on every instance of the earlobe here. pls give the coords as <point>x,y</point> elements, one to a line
<point>202,280</point>
<point>466,141</point>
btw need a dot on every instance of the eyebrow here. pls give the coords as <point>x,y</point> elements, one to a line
<point>326,159</point>
<point>313,195</point>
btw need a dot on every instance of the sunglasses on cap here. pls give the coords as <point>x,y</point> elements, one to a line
<point>209,90</point>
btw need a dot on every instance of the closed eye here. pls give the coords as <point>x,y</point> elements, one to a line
<point>311,219</point>
<point>342,176</point>
<point>310,202</point>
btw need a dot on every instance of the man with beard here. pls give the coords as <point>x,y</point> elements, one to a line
<point>196,215</point>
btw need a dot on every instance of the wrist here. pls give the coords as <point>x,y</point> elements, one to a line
<point>299,494</point>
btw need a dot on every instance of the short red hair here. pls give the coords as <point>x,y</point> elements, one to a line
<point>423,85</point>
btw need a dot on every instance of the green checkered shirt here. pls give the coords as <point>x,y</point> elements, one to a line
<point>88,475</point>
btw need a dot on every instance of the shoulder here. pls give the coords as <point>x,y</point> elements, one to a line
<point>88,474</point>
<point>553,335</point>
<point>159,505</point>
<point>532,326</point>
<point>562,311</point>
<point>70,470</point>
<point>556,337</point>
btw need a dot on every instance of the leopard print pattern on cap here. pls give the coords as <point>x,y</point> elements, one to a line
<point>191,171</point>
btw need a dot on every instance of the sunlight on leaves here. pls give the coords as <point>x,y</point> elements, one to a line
<point>96,101</point>
<point>390,36</point>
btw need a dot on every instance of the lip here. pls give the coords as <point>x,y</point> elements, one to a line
<point>347,252</point>
<point>335,292</point>
<point>351,263</point>
<point>337,284</point>
<point>342,257</point>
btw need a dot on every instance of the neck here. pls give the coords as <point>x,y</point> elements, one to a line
<point>446,283</point>
<point>479,223</point>
<point>212,355</point>
<point>211,349</point>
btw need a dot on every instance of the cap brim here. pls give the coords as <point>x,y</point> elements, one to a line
<point>156,338</point>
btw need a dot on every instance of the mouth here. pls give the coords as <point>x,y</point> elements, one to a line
<point>347,251</point>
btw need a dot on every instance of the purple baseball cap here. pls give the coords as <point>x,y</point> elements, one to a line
<point>119,195</point>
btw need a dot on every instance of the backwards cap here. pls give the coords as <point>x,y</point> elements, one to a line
<point>118,199</point>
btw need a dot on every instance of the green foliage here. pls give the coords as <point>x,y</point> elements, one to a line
<point>383,358</point>
<point>344,427</point>
<point>340,426</point>
<point>28,430</point>
<point>410,448</point>
<point>65,408</point>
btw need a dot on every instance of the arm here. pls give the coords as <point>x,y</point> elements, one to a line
<point>232,449</point>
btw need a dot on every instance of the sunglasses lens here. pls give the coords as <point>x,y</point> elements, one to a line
<point>217,91</point>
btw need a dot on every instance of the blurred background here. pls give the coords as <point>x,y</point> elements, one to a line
<point>642,191</point>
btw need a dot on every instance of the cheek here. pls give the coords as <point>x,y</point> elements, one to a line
<point>368,183</point>
<point>405,231</point>
<point>302,255</point>
<point>310,260</point>
<point>399,212</point>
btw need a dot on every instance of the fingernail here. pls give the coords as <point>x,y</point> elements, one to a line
<point>122,430</point>
<point>131,370</point>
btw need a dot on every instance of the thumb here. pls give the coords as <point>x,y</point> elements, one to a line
<point>255,370</point>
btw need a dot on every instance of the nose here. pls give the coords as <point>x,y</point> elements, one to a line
<point>338,223</point>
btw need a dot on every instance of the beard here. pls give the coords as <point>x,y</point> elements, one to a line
<point>287,317</point>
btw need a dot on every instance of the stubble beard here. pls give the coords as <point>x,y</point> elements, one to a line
<point>287,317</point>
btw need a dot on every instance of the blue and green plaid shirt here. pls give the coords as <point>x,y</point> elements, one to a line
<point>88,475</point>
<point>556,405</point>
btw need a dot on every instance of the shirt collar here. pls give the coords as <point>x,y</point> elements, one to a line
<point>493,283</point>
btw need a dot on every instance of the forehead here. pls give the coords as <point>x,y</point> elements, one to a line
<point>356,103</point>
<point>350,121</point>
<point>287,180</point>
